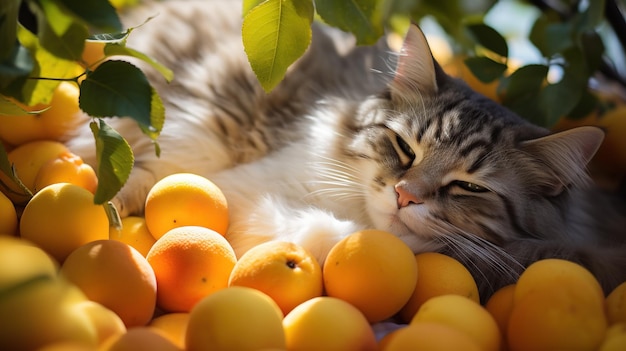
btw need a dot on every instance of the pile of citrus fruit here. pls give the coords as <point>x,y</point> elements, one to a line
<point>170,280</point>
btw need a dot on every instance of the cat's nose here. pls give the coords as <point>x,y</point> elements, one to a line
<point>405,197</point>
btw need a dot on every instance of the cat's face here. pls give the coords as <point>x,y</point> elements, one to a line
<point>437,160</point>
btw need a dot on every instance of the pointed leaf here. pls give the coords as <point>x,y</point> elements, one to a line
<point>485,69</point>
<point>60,33</point>
<point>275,34</point>
<point>95,13</point>
<point>10,108</point>
<point>35,91</point>
<point>115,161</point>
<point>19,64</point>
<point>7,168</point>
<point>359,17</point>
<point>157,119</point>
<point>117,89</point>
<point>111,49</point>
<point>249,5</point>
<point>489,38</point>
<point>8,23</point>
<point>526,80</point>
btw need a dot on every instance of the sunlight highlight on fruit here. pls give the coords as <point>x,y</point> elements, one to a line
<point>373,270</point>
<point>185,199</point>
<point>286,272</point>
<point>190,263</point>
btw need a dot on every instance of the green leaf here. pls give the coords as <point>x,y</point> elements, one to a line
<point>157,119</point>
<point>593,49</point>
<point>592,16</point>
<point>275,34</point>
<point>559,37</point>
<point>489,38</point>
<point>9,10</point>
<point>115,161</point>
<point>249,5</point>
<point>525,81</point>
<point>586,104</point>
<point>557,100</point>
<point>9,108</point>
<point>485,69</point>
<point>60,33</point>
<point>7,168</point>
<point>111,49</point>
<point>117,89</point>
<point>18,65</point>
<point>359,17</point>
<point>94,13</point>
<point>46,65</point>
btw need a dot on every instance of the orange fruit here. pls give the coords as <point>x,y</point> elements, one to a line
<point>235,318</point>
<point>8,216</point>
<point>438,275</point>
<point>27,159</point>
<point>42,311</point>
<point>115,275</point>
<point>500,305</point>
<point>328,323</point>
<point>464,314</point>
<point>62,217</point>
<point>190,263</point>
<point>173,326</point>
<point>21,262</point>
<point>555,274</point>
<point>135,233</point>
<point>373,270</point>
<point>55,122</point>
<point>285,271</point>
<point>558,319</point>
<point>185,199</point>
<point>427,336</point>
<point>615,339</point>
<point>93,53</point>
<point>616,305</point>
<point>106,322</point>
<point>66,168</point>
<point>138,338</point>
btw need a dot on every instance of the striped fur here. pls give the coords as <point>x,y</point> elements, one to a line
<point>346,142</point>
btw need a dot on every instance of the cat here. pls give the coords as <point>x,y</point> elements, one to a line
<point>362,137</point>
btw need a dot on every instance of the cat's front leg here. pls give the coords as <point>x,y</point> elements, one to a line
<point>275,219</point>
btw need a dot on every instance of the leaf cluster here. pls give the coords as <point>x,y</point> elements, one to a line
<point>36,55</point>
<point>277,32</point>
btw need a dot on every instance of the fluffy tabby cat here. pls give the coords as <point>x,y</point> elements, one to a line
<point>360,137</point>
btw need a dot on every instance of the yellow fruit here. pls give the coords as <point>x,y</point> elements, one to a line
<point>327,323</point>
<point>373,270</point>
<point>135,233</point>
<point>553,274</point>
<point>66,168</point>
<point>500,305</point>
<point>190,263</point>
<point>8,216</point>
<point>93,53</point>
<point>286,272</point>
<point>23,262</point>
<point>42,312</point>
<point>173,326</point>
<point>62,217</point>
<point>67,346</point>
<point>106,322</point>
<point>615,339</point>
<point>138,338</point>
<point>616,305</point>
<point>558,319</point>
<point>115,275</point>
<point>56,121</point>
<point>235,318</point>
<point>27,159</point>
<point>463,314</point>
<point>427,336</point>
<point>438,275</point>
<point>185,199</point>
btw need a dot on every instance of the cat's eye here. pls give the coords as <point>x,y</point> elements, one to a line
<point>405,147</point>
<point>472,187</point>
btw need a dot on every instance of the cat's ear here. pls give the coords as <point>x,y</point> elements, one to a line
<point>566,155</point>
<point>415,71</point>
